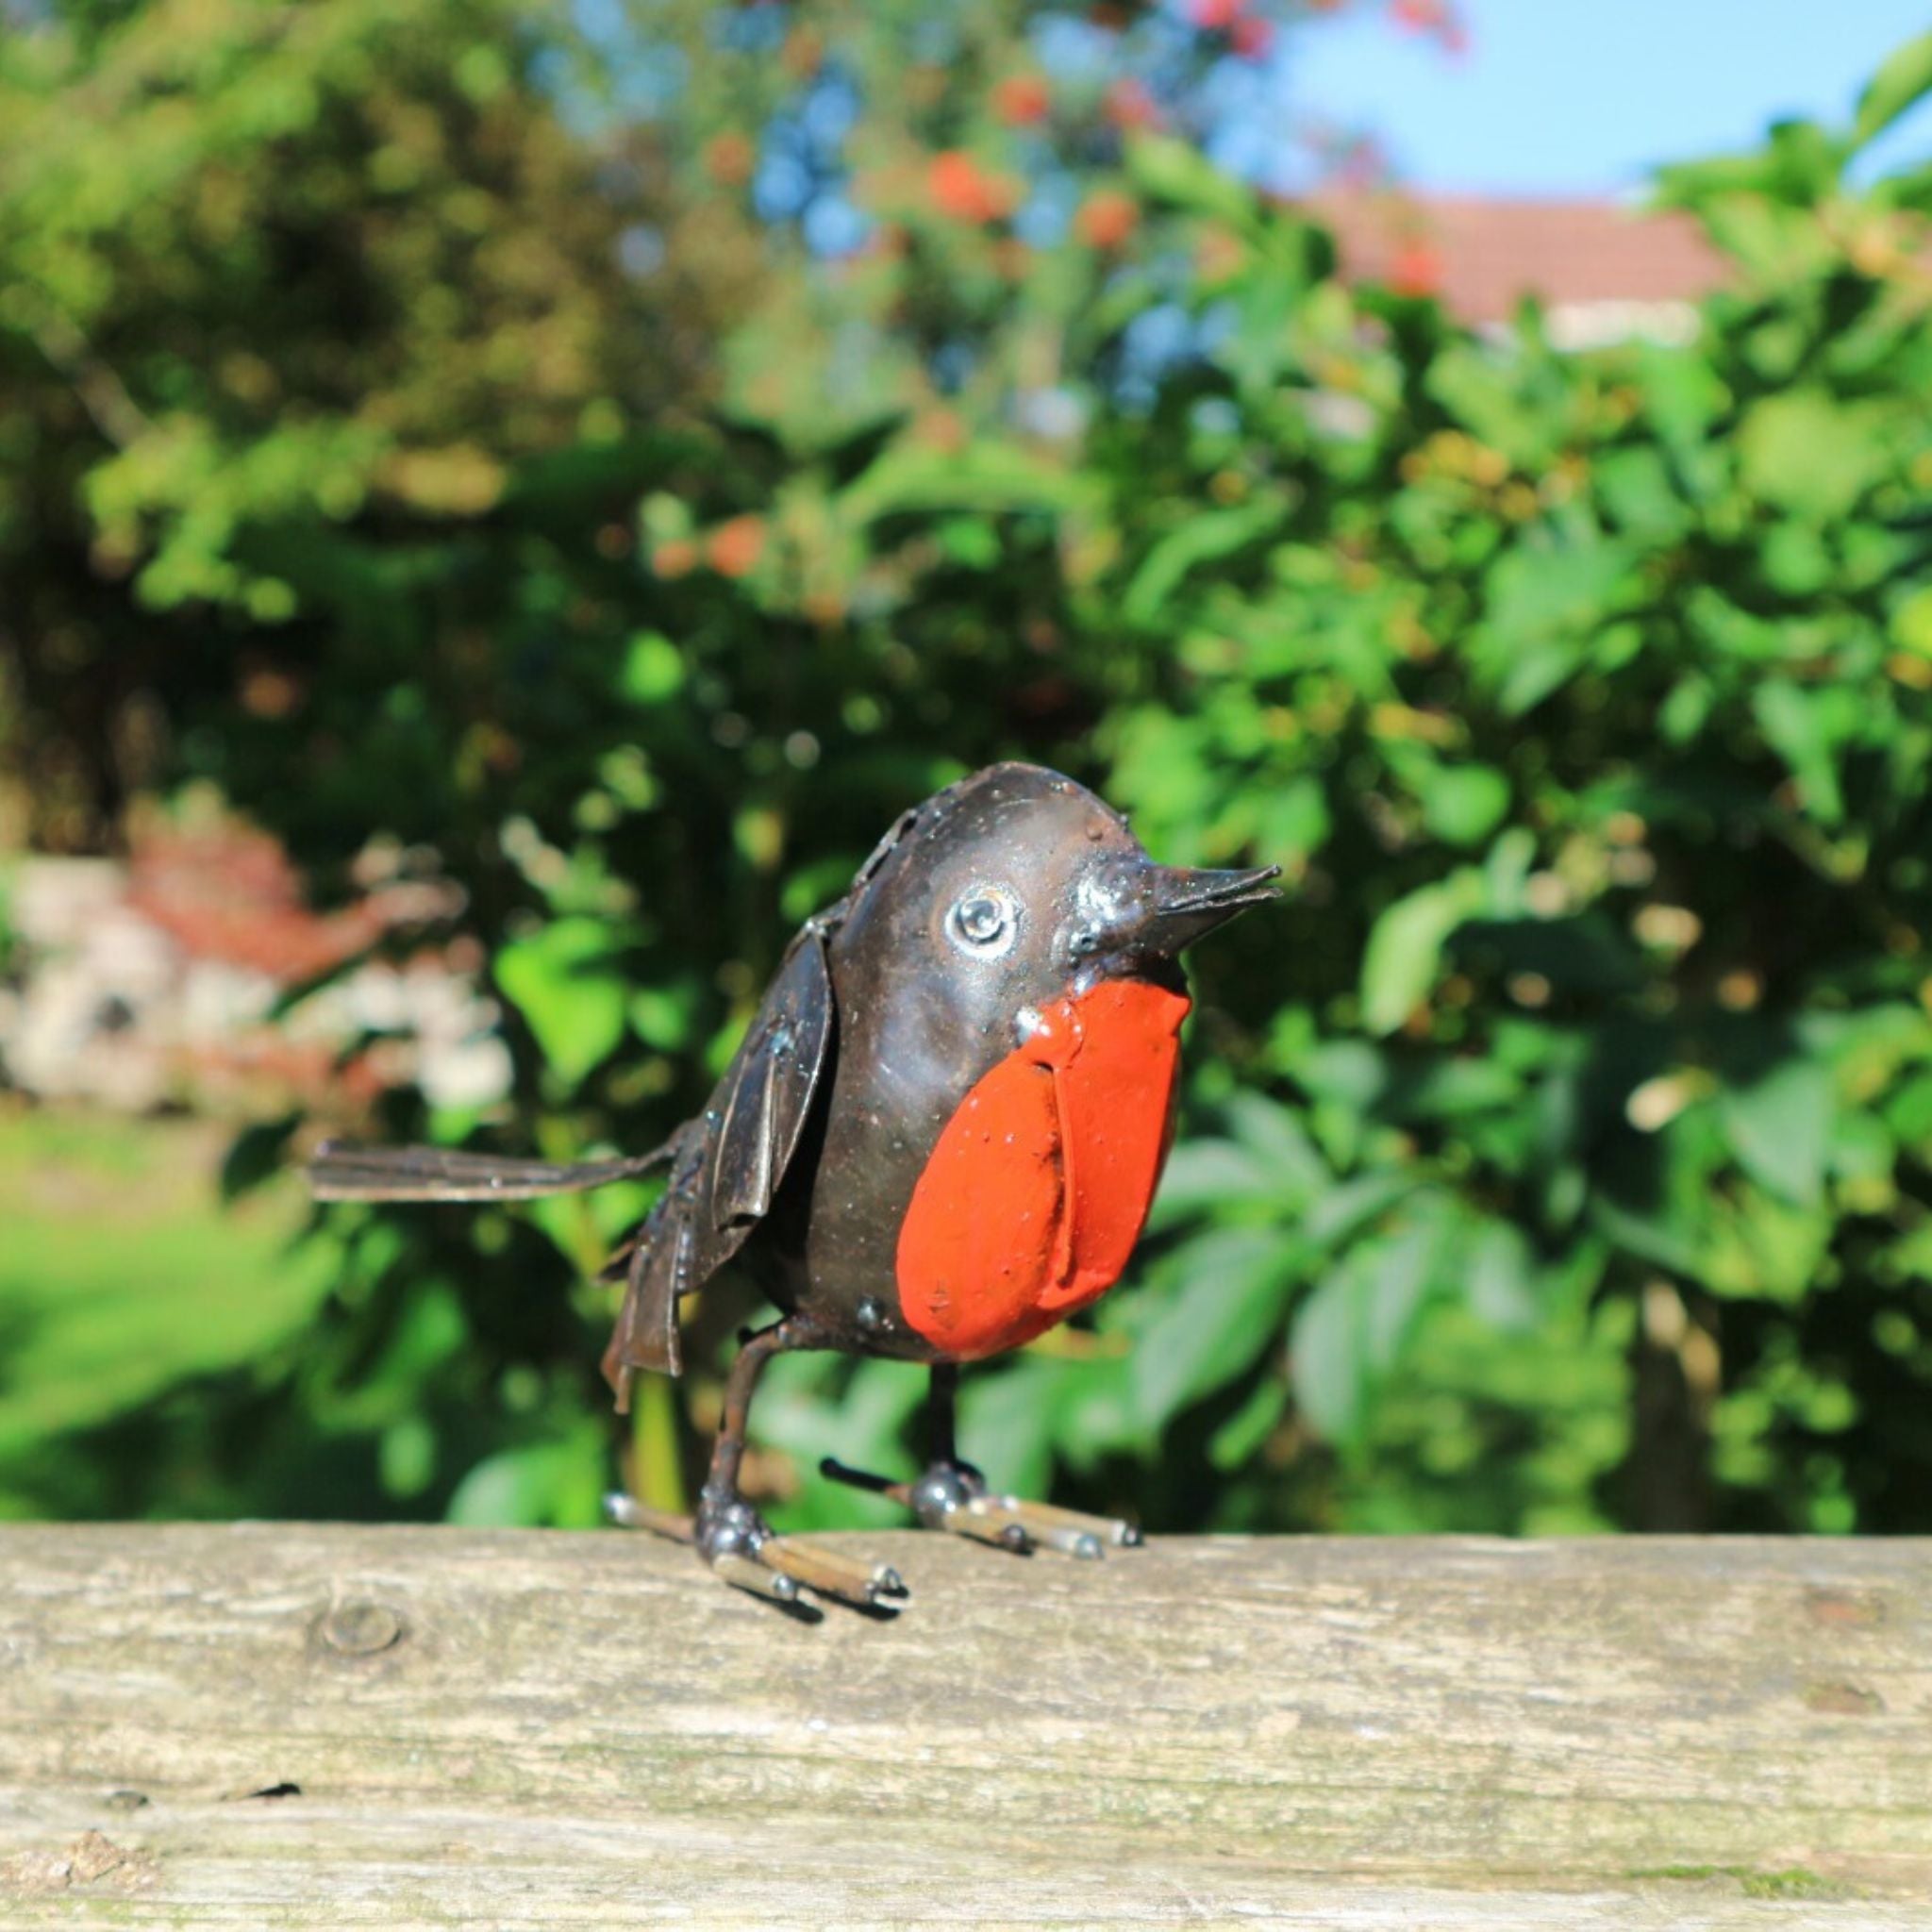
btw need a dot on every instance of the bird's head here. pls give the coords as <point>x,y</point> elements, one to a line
<point>1018,886</point>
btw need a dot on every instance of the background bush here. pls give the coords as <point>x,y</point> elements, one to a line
<point>1560,1156</point>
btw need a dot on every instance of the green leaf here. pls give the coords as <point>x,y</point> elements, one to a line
<point>1007,1419</point>
<point>1346,1209</point>
<point>1275,1133</point>
<point>1206,1173</point>
<point>1325,1362</point>
<point>1464,804</point>
<point>558,979</point>
<point>1269,1163</point>
<point>1482,387</point>
<point>972,541</point>
<point>1546,604</point>
<point>1780,1128</point>
<point>1649,1237</point>
<point>1635,486</point>
<point>1538,670</point>
<point>663,1017</point>
<point>1404,949</point>
<point>126,1289</point>
<point>1778,243</point>
<point>1499,1276</point>
<point>1684,711</point>
<point>558,1484</point>
<point>1348,1071</point>
<point>1402,1269</point>
<point>1911,624</point>
<point>1537,592</point>
<point>1178,173</point>
<point>1811,454</point>
<point>1695,184</point>
<point>1910,188</point>
<point>1454,1089</point>
<point>1352,1329</point>
<point>1803,728</point>
<point>652,669</point>
<point>1242,1434</point>
<point>984,476</point>
<point>1203,538</point>
<point>1294,821</point>
<point>1899,85</point>
<point>1224,1315</point>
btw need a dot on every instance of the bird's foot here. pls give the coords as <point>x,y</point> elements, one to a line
<point>952,1497</point>
<point>740,1546</point>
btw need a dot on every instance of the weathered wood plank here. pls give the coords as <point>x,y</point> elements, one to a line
<point>519,1729</point>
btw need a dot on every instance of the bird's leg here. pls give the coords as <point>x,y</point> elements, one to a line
<point>953,1496</point>
<point>731,1535</point>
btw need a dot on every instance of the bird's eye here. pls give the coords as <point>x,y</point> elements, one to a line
<point>982,922</point>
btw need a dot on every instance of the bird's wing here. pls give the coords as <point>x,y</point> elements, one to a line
<point>728,1164</point>
<point>771,1084</point>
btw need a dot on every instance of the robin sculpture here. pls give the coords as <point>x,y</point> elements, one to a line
<point>939,1137</point>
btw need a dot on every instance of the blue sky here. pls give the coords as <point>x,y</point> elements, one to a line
<point>1582,97</point>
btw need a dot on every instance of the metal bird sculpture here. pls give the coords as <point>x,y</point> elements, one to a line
<point>939,1137</point>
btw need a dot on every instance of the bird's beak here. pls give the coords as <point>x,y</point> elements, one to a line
<point>1186,904</point>
<point>1141,910</point>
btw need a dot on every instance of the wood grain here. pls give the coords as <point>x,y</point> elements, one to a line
<point>521,1729</point>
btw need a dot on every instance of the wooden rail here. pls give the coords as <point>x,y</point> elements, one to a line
<point>290,1725</point>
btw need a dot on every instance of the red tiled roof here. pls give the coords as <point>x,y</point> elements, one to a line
<point>1482,256</point>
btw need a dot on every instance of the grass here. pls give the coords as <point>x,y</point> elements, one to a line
<point>121,1274</point>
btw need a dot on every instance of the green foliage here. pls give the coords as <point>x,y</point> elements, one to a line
<point>1560,1156</point>
<point>121,1281</point>
<point>265,266</point>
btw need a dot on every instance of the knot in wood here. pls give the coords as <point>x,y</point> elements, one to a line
<point>360,1628</point>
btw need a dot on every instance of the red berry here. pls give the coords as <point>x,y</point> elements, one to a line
<point>961,189</point>
<point>1022,100</point>
<point>1107,219</point>
<point>734,548</point>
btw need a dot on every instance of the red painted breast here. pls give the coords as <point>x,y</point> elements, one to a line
<point>1039,1187</point>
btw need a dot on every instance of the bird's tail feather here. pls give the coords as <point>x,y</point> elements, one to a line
<point>441,1173</point>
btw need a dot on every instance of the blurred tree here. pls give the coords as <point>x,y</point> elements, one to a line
<point>268,266</point>
<point>338,265</point>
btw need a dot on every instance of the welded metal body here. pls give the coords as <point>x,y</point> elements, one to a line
<point>981,908</point>
<point>981,923</point>
<point>940,1135</point>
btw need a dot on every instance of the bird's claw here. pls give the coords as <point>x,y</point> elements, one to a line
<point>982,1526</point>
<point>807,1565</point>
<point>626,1512</point>
<point>750,1573</point>
<point>952,1497</point>
<point>733,1540</point>
<point>1071,1530</point>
